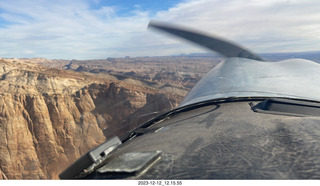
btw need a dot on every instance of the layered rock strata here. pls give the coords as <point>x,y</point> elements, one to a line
<point>50,117</point>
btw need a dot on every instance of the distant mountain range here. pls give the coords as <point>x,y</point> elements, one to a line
<point>313,55</point>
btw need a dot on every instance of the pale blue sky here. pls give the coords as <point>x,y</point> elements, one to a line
<point>96,29</point>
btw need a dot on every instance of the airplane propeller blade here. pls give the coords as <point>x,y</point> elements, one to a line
<point>225,48</point>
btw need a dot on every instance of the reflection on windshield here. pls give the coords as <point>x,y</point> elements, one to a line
<point>144,86</point>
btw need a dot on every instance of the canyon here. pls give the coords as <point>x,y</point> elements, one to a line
<point>49,117</point>
<point>54,111</point>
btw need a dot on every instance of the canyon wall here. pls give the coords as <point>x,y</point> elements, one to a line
<point>50,117</point>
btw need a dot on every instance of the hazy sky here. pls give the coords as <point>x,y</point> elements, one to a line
<point>95,29</point>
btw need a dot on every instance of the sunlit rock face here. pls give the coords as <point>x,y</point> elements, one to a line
<point>50,117</point>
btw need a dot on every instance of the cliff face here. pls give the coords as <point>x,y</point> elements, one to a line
<point>50,117</point>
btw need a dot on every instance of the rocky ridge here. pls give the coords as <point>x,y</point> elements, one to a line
<point>50,117</point>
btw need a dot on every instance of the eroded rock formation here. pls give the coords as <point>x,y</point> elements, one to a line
<point>50,117</point>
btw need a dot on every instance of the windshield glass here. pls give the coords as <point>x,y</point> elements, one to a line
<point>76,73</point>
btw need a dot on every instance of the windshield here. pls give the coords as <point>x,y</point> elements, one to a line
<point>76,73</point>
